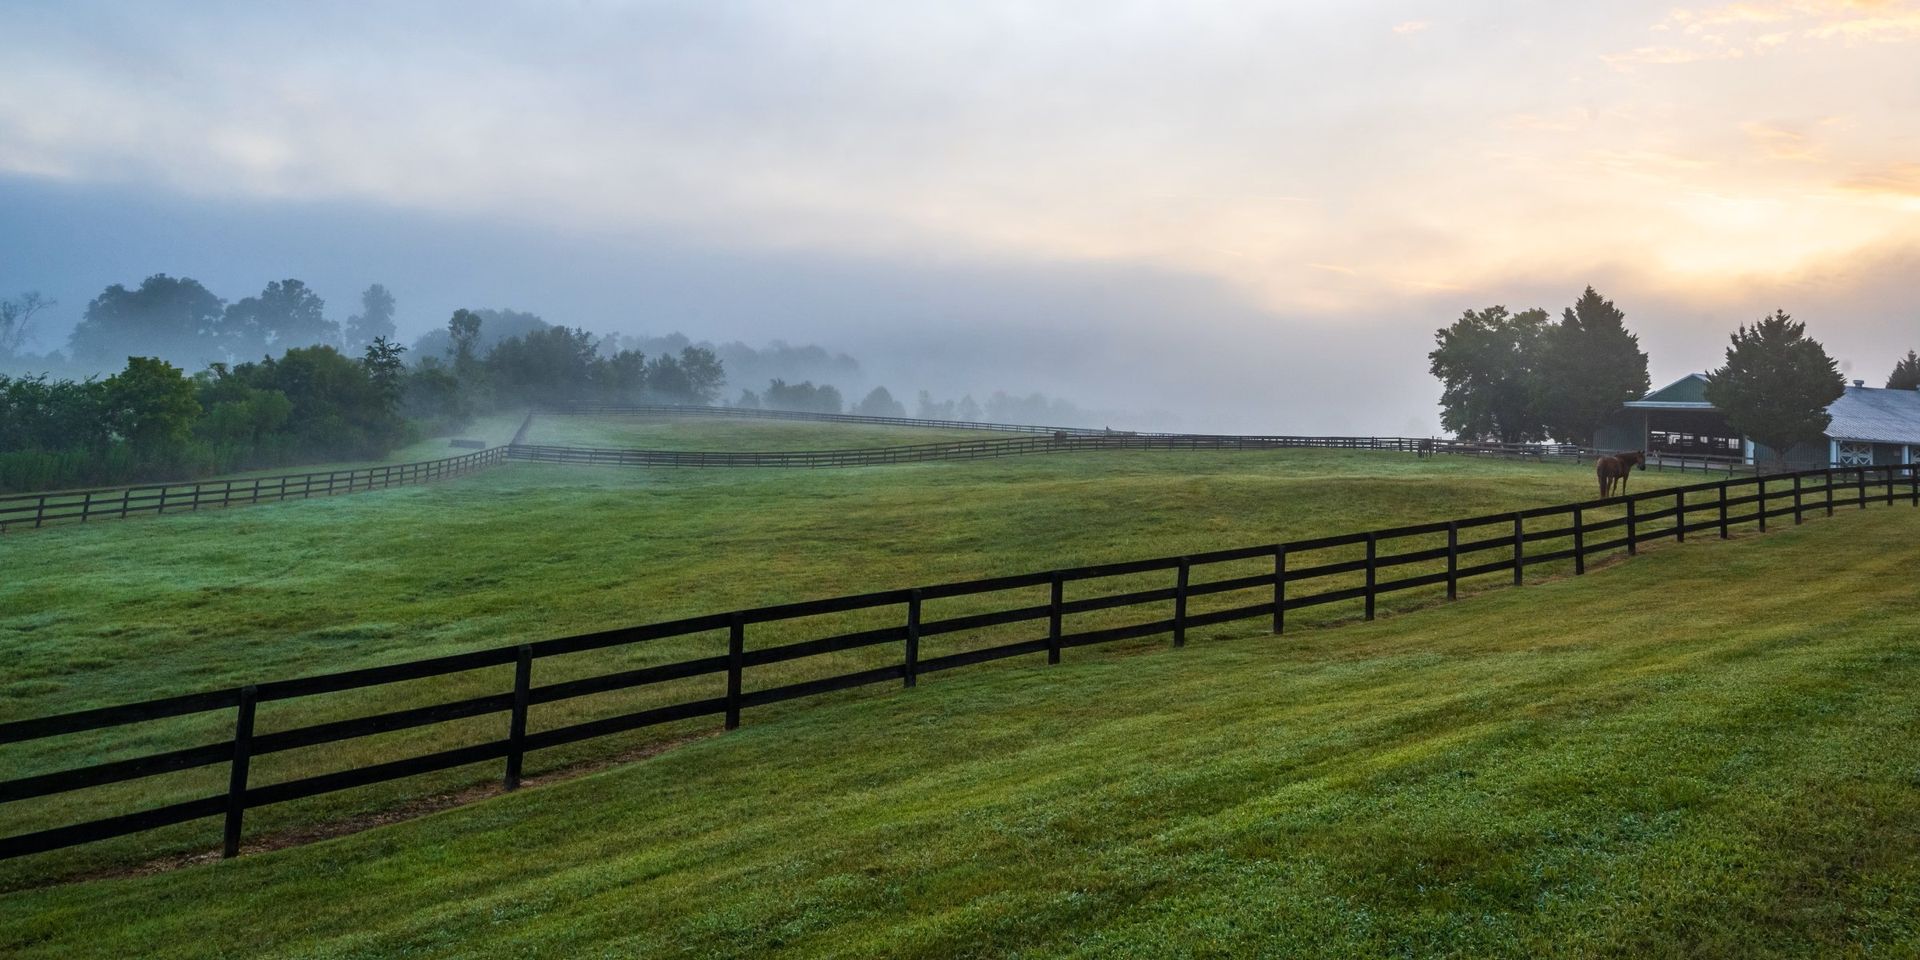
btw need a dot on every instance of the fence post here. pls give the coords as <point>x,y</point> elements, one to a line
<point>1913,481</point>
<point>1724,484</point>
<point>1798,518</point>
<point>1279,588</point>
<point>86,506</point>
<point>1053,618</point>
<point>1763,503</point>
<point>1633,526</point>
<point>1453,560</point>
<point>736,652</point>
<point>1580,542</point>
<point>1372,554</point>
<point>1827,485</point>
<point>1680,516</point>
<point>1180,604</point>
<point>162,506</point>
<point>912,675</point>
<point>1860,475</point>
<point>1889,484</point>
<point>517,724</point>
<point>40,511</point>
<point>237,775</point>
<point>1519,549</point>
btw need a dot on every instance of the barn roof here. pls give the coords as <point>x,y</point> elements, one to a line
<point>1875,414</point>
<point>1687,393</point>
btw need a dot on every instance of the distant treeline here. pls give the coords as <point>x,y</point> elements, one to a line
<point>321,390</point>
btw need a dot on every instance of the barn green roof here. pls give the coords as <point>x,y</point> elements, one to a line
<point>1688,392</point>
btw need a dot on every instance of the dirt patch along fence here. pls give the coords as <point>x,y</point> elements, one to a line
<point>1262,582</point>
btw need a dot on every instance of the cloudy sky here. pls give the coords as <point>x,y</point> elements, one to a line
<point>1240,215</point>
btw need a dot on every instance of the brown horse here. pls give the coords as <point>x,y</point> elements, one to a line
<point>1614,469</point>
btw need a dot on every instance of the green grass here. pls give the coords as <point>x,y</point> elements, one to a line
<point>1704,752</point>
<point>124,611</point>
<point>669,433</point>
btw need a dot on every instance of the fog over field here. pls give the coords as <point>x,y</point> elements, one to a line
<point>1218,217</point>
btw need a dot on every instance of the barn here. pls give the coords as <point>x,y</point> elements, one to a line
<point>1871,426</point>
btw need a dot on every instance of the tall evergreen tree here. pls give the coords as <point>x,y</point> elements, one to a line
<point>1776,384</point>
<point>1906,373</point>
<point>1588,364</point>
<point>1485,364</point>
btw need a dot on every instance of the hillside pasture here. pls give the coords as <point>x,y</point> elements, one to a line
<point>113,613</point>
<point>1705,752</point>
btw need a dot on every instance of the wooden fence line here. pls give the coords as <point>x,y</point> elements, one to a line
<point>80,506</point>
<point>1495,544</point>
<point>1064,443</point>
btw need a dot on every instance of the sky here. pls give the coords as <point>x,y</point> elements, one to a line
<point>1209,215</point>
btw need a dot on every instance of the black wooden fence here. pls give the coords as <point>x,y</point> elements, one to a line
<point>1301,574</point>
<point>988,448</point>
<point>79,506</point>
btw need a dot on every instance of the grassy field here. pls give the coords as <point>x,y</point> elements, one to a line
<point>1705,752</point>
<point>117,612</point>
<point>665,433</point>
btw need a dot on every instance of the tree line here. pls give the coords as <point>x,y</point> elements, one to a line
<point>1524,378</point>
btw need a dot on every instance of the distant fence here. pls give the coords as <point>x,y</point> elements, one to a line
<point>988,448</point>
<point>744,413</point>
<point>1494,544</point>
<point>80,506</point>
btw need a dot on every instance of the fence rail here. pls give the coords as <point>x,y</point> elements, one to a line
<point>1066,443</point>
<point>1295,575</point>
<point>80,506</point>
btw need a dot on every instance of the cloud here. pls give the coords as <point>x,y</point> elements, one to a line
<point>1405,27</point>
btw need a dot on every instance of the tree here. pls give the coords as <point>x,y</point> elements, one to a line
<point>1906,373</point>
<point>967,409</point>
<point>879,403</point>
<point>551,364</point>
<point>748,400</point>
<point>165,317</point>
<point>16,321</point>
<point>926,408</point>
<point>386,369</point>
<point>695,376</point>
<point>1485,364</point>
<point>803,396</point>
<point>463,337</point>
<point>151,404</point>
<point>285,314</point>
<point>1585,367</point>
<point>374,321</point>
<point>1776,384</point>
